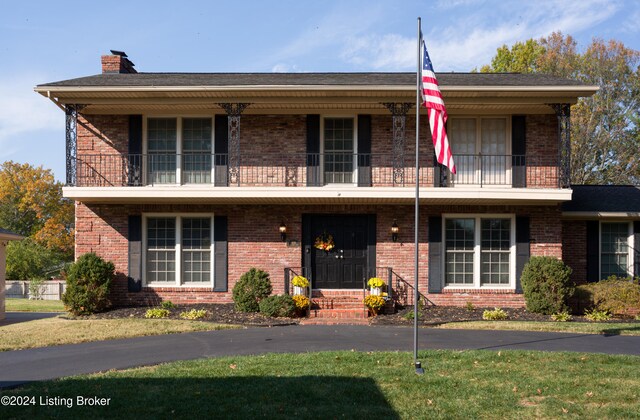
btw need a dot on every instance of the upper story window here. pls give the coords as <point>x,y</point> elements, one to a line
<point>179,150</point>
<point>479,251</point>
<point>481,149</point>
<point>615,255</point>
<point>339,156</point>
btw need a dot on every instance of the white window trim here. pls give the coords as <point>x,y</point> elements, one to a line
<point>630,246</point>
<point>355,149</point>
<point>179,118</point>
<point>477,251</point>
<point>178,251</point>
<point>508,141</point>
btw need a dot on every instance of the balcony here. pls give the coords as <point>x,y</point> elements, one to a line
<point>312,170</point>
<point>313,178</point>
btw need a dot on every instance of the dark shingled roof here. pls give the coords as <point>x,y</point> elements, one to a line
<point>302,79</point>
<point>604,198</point>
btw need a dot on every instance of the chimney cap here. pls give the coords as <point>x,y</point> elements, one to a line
<point>120,53</point>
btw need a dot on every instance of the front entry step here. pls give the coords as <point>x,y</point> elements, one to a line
<point>337,309</point>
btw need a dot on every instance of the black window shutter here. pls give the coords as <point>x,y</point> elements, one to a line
<point>221,254</point>
<point>636,248</point>
<point>518,150</point>
<point>523,248</point>
<point>364,150</point>
<point>436,276</point>
<point>221,150</point>
<point>135,254</point>
<point>313,151</point>
<point>593,251</point>
<point>134,170</point>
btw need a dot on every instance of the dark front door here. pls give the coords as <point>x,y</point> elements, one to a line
<point>347,264</point>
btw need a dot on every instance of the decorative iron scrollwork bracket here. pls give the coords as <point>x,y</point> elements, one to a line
<point>71,141</point>
<point>234,110</point>
<point>563,112</point>
<point>399,117</point>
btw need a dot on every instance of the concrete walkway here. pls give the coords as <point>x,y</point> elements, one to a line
<point>21,366</point>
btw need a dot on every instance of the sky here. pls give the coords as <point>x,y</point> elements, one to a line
<point>46,41</point>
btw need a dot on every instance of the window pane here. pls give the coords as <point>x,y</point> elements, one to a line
<point>495,250</point>
<point>459,253</point>
<point>463,147</point>
<point>161,241</point>
<point>196,150</point>
<point>196,250</point>
<point>161,147</point>
<point>614,258</point>
<point>338,150</point>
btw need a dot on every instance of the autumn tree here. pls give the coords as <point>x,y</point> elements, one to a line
<point>31,204</point>
<point>604,127</point>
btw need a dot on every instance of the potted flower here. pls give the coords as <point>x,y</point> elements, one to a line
<point>302,303</point>
<point>374,303</point>
<point>376,284</point>
<point>300,284</point>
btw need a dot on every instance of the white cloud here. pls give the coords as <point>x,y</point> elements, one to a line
<point>22,111</point>
<point>381,52</point>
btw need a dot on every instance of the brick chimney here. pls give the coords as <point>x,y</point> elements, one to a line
<point>117,62</point>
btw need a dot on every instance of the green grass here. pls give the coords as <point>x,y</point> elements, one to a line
<point>467,384</point>
<point>626,328</point>
<point>57,331</point>
<point>27,305</point>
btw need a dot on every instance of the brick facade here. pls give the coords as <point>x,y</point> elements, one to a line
<point>574,248</point>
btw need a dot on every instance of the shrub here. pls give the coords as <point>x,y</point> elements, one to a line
<point>36,288</point>
<point>167,304</point>
<point>496,315</point>
<point>563,316</point>
<point>615,295</point>
<point>597,315</point>
<point>278,306</point>
<point>88,283</point>
<point>409,315</point>
<point>194,314</point>
<point>546,285</point>
<point>469,306</point>
<point>156,313</point>
<point>300,281</point>
<point>253,286</point>
<point>301,302</point>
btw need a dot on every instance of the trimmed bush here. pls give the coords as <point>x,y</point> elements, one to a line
<point>278,306</point>
<point>194,314</point>
<point>496,315</point>
<point>156,313</point>
<point>546,285</point>
<point>615,295</point>
<point>88,283</point>
<point>167,304</point>
<point>253,286</point>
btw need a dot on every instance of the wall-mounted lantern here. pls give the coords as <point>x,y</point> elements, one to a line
<point>394,231</point>
<point>283,232</point>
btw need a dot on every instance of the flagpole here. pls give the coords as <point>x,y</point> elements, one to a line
<point>416,221</point>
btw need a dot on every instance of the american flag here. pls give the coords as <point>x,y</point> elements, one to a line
<point>432,99</point>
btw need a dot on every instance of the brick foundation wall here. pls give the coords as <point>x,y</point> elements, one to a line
<point>254,241</point>
<point>574,248</point>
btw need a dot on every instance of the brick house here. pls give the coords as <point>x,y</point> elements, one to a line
<point>185,181</point>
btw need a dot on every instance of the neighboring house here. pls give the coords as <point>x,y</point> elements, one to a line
<point>185,181</point>
<point>5,237</point>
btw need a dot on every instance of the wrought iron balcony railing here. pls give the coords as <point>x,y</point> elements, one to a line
<point>312,170</point>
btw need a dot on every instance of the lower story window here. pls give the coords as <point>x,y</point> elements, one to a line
<point>614,249</point>
<point>178,250</point>
<point>478,251</point>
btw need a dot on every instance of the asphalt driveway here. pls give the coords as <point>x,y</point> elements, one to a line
<point>22,366</point>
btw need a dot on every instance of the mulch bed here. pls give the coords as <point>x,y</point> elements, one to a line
<point>217,313</point>
<point>431,315</point>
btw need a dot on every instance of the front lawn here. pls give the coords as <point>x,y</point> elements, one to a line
<point>29,305</point>
<point>612,328</point>
<point>56,331</point>
<point>466,384</point>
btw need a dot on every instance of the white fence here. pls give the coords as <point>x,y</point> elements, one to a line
<point>51,289</point>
